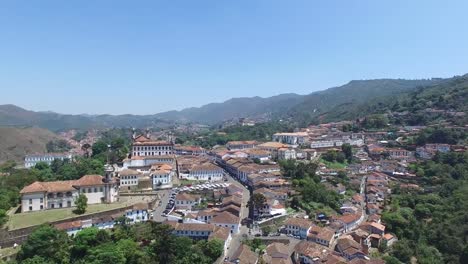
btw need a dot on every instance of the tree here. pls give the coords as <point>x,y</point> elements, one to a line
<point>213,249</point>
<point>257,201</point>
<point>3,217</point>
<point>48,243</point>
<point>348,152</point>
<point>81,204</point>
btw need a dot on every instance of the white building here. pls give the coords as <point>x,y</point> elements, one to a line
<point>61,194</point>
<point>139,213</point>
<point>31,160</point>
<point>298,227</point>
<point>144,146</point>
<point>286,154</point>
<point>298,138</point>
<point>161,175</point>
<point>129,178</point>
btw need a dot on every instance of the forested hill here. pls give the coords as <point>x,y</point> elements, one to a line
<point>297,107</point>
<point>444,100</point>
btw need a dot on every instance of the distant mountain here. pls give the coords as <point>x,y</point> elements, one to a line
<point>289,106</point>
<point>235,108</point>
<point>16,142</point>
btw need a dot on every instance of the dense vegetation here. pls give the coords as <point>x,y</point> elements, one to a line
<point>313,195</point>
<point>433,225</point>
<point>429,103</point>
<point>13,179</point>
<point>259,132</point>
<point>441,135</point>
<point>141,243</point>
<point>58,146</point>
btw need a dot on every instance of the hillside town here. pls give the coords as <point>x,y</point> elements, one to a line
<point>247,192</point>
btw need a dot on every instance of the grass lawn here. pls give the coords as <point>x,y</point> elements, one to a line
<point>21,220</point>
<point>334,165</point>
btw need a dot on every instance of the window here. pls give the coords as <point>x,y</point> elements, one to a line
<point>30,208</point>
<point>101,189</point>
<point>30,201</point>
<point>42,200</point>
<point>52,205</point>
<point>69,204</point>
<point>95,189</point>
<point>60,205</point>
<point>84,190</point>
<point>42,207</point>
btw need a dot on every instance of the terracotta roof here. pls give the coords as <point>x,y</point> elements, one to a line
<point>301,222</point>
<point>225,218</point>
<point>247,142</point>
<point>245,255</point>
<point>221,233</point>
<point>232,200</point>
<point>311,250</point>
<point>323,233</point>
<point>378,226</point>
<point>273,145</point>
<point>277,248</point>
<point>68,225</point>
<point>128,172</point>
<point>89,180</point>
<point>347,219</point>
<point>388,236</point>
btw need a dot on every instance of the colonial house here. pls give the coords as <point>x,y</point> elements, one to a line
<point>161,175</point>
<point>32,159</point>
<point>286,154</point>
<point>321,235</point>
<point>228,220</point>
<point>198,168</point>
<point>243,255</point>
<point>272,147</point>
<point>298,138</point>
<point>399,153</point>
<point>186,201</point>
<point>237,145</point>
<point>144,163</point>
<point>277,253</point>
<point>347,222</point>
<point>60,194</point>
<point>144,146</point>
<point>129,179</point>
<point>189,150</point>
<point>138,213</point>
<point>349,248</point>
<point>310,253</point>
<point>258,154</point>
<point>298,227</point>
<point>201,231</point>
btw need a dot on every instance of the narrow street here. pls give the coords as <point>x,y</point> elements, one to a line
<point>244,230</point>
<point>163,196</point>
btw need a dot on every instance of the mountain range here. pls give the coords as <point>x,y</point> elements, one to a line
<point>280,106</point>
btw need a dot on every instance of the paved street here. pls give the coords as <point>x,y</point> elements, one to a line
<point>158,210</point>
<point>237,238</point>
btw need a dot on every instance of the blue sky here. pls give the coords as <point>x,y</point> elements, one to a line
<point>144,57</point>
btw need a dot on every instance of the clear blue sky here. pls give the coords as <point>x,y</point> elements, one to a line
<point>145,57</point>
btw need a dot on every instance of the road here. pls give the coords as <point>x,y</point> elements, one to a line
<point>158,209</point>
<point>244,230</point>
